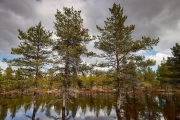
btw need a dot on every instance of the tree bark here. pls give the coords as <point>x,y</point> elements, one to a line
<point>37,65</point>
<point>63,113</point>
<point>34,106</point>
<point>118,106</point>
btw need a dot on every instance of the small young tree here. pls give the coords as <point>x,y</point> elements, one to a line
<point>19,74</point>
<point>163,73</point>
<point>8,73</point>
<point>1,74</point>
<point>8,76</point>
<point>147,76</point>
<point>34,50</point>
<point>174,64</point>
<point>168,71</point>
<point>91,80</point>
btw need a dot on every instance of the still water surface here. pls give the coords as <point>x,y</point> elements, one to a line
<point>91,107</point>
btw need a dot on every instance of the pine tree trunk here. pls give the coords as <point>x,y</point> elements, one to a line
<point>36,78</point>
<point>64,106</point>
<point>135,111</point>
<point>118,70</point>
<point>34,106</point>
<point>63,113</point>
<point>118,106</point>
<point>37,66</point>
<point>66,80</point>
<point>133,88</point>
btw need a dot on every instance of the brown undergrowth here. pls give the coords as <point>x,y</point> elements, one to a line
<point>84,91</point>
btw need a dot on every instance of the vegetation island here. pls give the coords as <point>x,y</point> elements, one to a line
<point>48,65</point>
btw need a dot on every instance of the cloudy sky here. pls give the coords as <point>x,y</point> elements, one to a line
<point>153,18</point>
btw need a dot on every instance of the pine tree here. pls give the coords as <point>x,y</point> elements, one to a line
<point>163,73</point>
<point>1,74</point>
<point>149,76</point>
<point>8,73</point>
<point>91,80</point>
<point>70,46</point>
<point>19,74</point>
<point>119,48</point>
<point>71,42</point>
<point>34,50</point>
<point>174,64</point>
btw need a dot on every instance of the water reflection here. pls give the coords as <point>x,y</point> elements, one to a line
<point>91,107</point>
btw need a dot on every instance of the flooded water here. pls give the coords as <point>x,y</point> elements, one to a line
<point>91,107</point>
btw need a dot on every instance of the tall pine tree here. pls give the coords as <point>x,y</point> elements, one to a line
<point>119,48</point>
<point>71,42</point>
<point>70,45</point>
<point>34,50</point>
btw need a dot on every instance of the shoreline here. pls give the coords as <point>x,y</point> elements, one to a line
<point>56,91</point>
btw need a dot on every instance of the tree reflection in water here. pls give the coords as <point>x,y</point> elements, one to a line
<point>64,96</point>
<point>118,106</point>
<point>91,106</point>
<point>35,97</point>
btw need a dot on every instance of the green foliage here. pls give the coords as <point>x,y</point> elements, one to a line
<point>169,71</point>
<point>147,77</point>
<point>163,73</point>
<point>119,48</point>
<point>83,78</point>
<point>8,75</point>
<point>71,42</point>
<point>96,78</point>
<point>174,63</point>
<point>1,74</point>
<point>19,74</point>
<point>91,80</point>
<point>33,50</point>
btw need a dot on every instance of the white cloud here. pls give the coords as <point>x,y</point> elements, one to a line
<point>3,65</point>
<point>158,57</point>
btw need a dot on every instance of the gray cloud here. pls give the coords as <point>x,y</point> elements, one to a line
<point>25,8</point>
<point>154,18</point>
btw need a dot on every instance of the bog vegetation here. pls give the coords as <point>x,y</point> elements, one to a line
<point>46,63</point>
